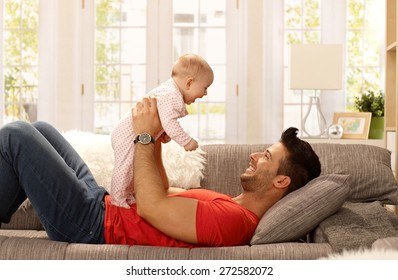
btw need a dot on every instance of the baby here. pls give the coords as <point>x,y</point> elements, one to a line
<point>190,78</point>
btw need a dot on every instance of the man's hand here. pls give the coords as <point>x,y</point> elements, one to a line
<point>146,117</point>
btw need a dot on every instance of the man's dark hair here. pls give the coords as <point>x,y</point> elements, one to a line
<point>302,163</point>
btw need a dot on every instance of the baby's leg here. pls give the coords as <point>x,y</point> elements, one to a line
<point>122,177</point>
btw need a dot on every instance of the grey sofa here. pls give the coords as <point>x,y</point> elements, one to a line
<point>342,210</point>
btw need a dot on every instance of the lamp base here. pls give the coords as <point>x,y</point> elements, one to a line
<point>314,123</point>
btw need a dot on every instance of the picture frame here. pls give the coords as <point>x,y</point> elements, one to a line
<point>355,125</point>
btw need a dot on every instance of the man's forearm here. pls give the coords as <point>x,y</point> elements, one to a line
<point>159,162</point>
<point>148,183</point>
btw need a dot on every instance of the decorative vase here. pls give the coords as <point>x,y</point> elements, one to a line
<point>376,130</point>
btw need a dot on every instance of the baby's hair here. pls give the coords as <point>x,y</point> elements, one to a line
<point>190,65</point>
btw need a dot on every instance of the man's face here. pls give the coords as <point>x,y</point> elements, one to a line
<point>263,168</point>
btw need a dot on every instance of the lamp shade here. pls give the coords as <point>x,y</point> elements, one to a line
<point>316,66</point>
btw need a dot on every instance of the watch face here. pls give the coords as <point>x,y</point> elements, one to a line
<point>145,138</point>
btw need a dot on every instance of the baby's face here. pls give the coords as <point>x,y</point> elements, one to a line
<point>198,88</point>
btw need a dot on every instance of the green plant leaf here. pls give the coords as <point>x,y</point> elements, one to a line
<point>371,102</point>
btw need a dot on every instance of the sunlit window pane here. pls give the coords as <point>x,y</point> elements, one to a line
<point>120,65</point>
<point>212,43</point>
<point>133,13</point>
<point>217,91</point>
<point>212,13</point>
<point>108,45</point>
<point>363,48</point>
<point>107,92</point>
<point>302,26</point>
<point>19,65</point>
<point>312,14</point>
<point>107,13</point>
<point>199,26</point>
<point>133,46</point>
<point>293,14</point>
<point>292,116</point>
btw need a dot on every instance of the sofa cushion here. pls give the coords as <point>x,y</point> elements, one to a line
<point>369,166</point>
<point>367,222</point>
<point>301,211</point>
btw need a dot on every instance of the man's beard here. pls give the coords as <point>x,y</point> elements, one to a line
<point>250,182</point>
<point>255,182</point>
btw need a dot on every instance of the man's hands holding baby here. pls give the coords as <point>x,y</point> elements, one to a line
<point>145,117</point>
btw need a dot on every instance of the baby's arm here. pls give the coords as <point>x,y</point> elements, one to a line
<point>169,114</point>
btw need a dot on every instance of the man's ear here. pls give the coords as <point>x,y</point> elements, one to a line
<point>282,181</point>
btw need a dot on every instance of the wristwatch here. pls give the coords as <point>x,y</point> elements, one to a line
<point>144,138</point>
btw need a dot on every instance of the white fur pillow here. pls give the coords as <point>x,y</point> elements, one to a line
<point>364,254</point>
<point>184,169</point>
<point>96,151</point>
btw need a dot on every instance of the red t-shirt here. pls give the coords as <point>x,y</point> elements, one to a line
<point>219,222</point>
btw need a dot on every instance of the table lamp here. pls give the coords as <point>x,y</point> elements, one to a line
<point>315,67</point>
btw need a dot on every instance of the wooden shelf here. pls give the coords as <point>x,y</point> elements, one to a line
<point>390,105</point>
<point>391,22</point>
<point>392,47</point>
<point>391,90</point>
<point>390,128</point>
<point>391,99</point>
<point>374,142</point>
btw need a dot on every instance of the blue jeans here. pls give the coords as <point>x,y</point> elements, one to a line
<point>36,162</point>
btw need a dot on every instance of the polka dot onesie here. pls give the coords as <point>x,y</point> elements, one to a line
<point>171,107</point>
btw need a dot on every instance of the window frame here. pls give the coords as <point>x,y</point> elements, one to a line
<point>159,32</point>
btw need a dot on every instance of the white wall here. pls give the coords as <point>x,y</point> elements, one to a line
<point>254,75</point>
<point>59,80</point>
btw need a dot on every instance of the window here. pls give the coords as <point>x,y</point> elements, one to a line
<point>364,40</point>
<point>361,33</point>
<point>126,67</point>
<point>200,27</point>
<point>19,60</point>
<point>120,59</point>
<point>302,24</point>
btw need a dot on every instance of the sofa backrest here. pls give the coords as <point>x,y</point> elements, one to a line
<point>225,164</point>
<point>369,166</point>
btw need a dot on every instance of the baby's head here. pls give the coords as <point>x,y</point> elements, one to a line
<point>193,75</point>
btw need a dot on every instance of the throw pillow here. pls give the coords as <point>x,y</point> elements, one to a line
<point>184,169</point>
<point>369,166</point>
<point>301,211</point>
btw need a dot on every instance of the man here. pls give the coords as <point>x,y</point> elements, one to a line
<point>36,162</point>
<point>202,217</point>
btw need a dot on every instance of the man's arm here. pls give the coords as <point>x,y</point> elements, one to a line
<point>174,216</point>
<point>159,162</point>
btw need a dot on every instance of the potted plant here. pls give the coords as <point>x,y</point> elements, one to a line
<point>374,103</point>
